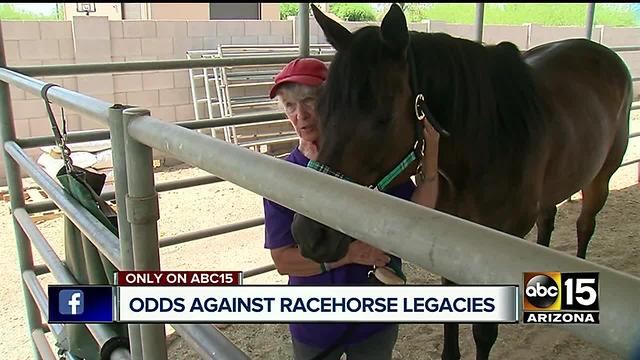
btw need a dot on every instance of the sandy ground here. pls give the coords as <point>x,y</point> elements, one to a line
<point>615,244</point>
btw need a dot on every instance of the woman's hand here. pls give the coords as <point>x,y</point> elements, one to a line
<point>426,194</point>
<point>430,159</point>
<point>362,253</point>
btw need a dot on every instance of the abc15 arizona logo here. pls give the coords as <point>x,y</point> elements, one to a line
<point>561,297</point>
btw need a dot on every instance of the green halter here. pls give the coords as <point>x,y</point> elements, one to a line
<point>383,183</point>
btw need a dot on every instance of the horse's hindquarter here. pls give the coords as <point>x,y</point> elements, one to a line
<point>584,88</point>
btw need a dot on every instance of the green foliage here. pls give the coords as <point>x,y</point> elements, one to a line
<point>353,11</point>
<point>288,9</point>
<point>60,14</point>
<point>549,14</point>
<point>8,12</point>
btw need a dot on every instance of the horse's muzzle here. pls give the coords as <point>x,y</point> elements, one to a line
<point>317,241</point>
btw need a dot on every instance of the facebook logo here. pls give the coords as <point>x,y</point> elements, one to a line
<point>80,304</point>
<point>71,302</point>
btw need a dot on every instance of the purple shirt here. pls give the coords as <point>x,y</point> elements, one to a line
<point>277,221</point>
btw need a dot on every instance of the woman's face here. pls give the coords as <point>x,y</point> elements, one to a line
<point>299,103</point>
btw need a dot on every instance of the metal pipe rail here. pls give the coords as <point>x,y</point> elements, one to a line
<point>46,205</point>
<point>49,256</point>
<point>629,162</point>
<point>625,48</point>
<point>142,216</point>
<point>591,8</point>
<point>479,22</point>
<point>72,137</point>
<point>42,345</point>
<point>218,230</point>
<point>258,46</point>
<point>459,250</point>
<point>258,271</point>
<point>70,100</point>
<point>99,235</point>
<point>36,290</point>
<point>90,135</point>
<point>154,65</point>
<point>39,296</point>
<point>209,342</point>
<point>41,269</point>
<point>302,32</point>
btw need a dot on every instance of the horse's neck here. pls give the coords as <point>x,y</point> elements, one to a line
<point>485,97</point>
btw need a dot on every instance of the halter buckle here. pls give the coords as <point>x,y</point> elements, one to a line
<point>418,107</point>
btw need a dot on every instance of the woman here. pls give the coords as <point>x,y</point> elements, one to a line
<point>297,87</point>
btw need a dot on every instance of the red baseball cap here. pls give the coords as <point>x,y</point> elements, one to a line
<point>306,71</point>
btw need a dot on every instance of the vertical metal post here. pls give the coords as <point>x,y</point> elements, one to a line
<point>303,29</point>
<point>116,128</point>
<point>591,9</point>
<point>207,92</point>
<point>194,98</point>
<point>12,172</point>
<point>143,215</point>
<point>479,24</point>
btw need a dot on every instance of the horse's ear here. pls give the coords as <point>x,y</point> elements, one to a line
<point>336,34</point>
<point>395,33</point>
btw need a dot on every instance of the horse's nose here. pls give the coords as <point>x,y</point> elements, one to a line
<point>317,241</point>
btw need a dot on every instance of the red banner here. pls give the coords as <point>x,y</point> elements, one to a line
<point>178,278</point>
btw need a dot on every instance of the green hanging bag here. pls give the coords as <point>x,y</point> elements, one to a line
<point>83,259</point>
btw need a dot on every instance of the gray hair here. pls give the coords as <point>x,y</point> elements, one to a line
<point>296,90</point>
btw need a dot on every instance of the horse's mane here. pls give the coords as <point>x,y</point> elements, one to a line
<point>485,96</point>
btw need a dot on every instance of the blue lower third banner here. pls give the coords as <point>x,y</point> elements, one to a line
<point>81,304</point>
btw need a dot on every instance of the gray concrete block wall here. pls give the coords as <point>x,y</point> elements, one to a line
<point>138,29</point>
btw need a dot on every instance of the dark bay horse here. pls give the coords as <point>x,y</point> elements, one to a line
<point>527,130</point>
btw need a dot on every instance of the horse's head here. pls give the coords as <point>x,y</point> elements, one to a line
<point>366,114</point>
<point>365,111</point>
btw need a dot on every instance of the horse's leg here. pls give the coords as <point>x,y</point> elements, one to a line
<point>545,224</point>
<point>595,194</point>
<point>485,336</point>
<point>593,199</point>
<point>451,347</point>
